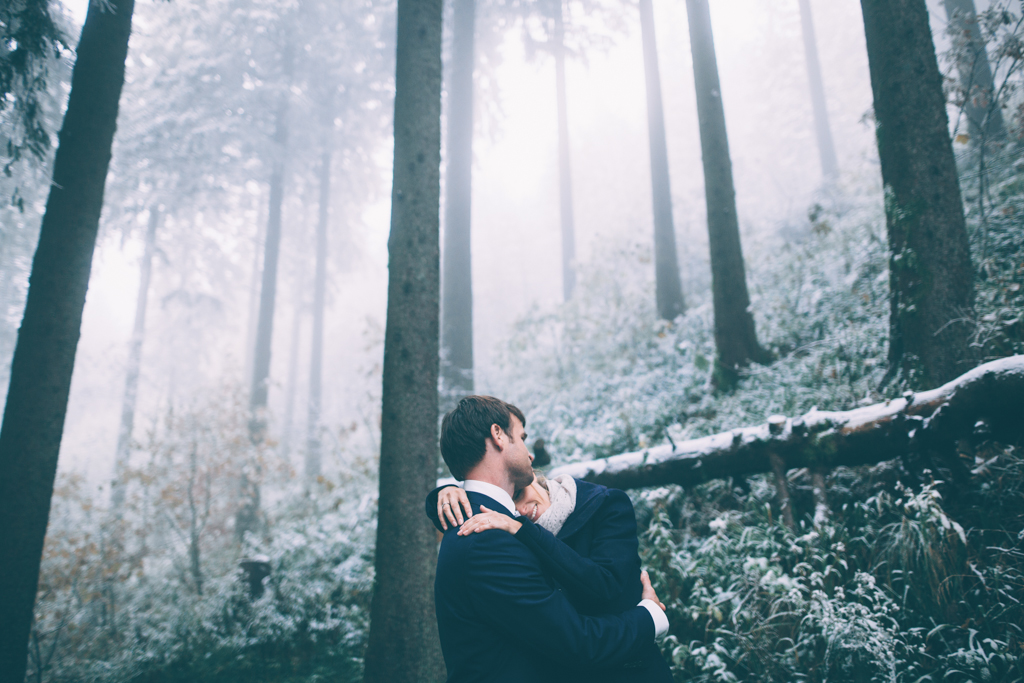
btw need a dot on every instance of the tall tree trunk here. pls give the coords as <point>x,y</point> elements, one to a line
<point>312,464</point>
<point>822,129</point>
<point>984,115</point>
<point>44,356</point>
<point>194,527</point>
<point>735,338</point>
<point>254,291</point>
<point>668,288</point>
<point>403,642</point>
<point>268,286</point>
<point>247,517</point>
<point>564,166</point>
<point>131,381</point>
<point>293,375</point>
<point>930,274</point>
<point>457,282</point>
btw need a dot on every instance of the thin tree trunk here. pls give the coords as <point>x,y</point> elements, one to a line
<point>194,529</point>
<point>668,288</point>
<point>254,291</point>
<point>131,381</point>
<point>403,642</point>
<point>268,287</point>
<point>564,166</point>
<point>930,274</point>
<point>44,356</point>
<point>984,115</point>
<point>247,517</point>
<point>822,129</point>
<point>457,282</point>
<point>735,338</point>
<point>293,375</point>
<point>312,464</point>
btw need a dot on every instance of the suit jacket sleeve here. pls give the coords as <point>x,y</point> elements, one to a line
<point>509,590</point>
<point>614,563</point>
<point>431,506</point>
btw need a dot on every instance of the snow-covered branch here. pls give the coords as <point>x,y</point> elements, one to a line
<point>987,400</point>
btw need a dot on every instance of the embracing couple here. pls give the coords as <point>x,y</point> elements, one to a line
<point>537,580</point>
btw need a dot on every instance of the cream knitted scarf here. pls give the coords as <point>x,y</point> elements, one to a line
<point>562,490</point>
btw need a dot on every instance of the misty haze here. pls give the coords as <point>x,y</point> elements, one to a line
<point>758,265</point>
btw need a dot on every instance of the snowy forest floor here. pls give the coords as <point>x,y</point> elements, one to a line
<point>911,579</point>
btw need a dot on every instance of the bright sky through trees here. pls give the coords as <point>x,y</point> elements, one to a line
<point>515,208</point>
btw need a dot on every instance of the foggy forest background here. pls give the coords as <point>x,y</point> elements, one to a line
<point>199,532</point>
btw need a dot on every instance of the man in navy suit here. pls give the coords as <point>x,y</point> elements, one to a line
<point>499,615</point>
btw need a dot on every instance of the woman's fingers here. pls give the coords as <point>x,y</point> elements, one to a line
<point>463,500</point>
<point>478,523</point>
<point>448,506</point>
<point>452,517</point>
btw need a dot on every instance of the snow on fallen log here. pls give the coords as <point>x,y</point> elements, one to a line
<point>988,400</point>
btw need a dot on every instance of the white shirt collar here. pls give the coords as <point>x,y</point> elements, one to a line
<point>490,490</point>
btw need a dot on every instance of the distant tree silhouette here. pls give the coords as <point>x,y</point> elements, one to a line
<point>457,280</point>
<point>312,465</point>
<point>668,288</point>
<point>567,219</point>
<point>131,381</point>
<point>984,115</point>
<point>822,129</point>
<point>735,338</point>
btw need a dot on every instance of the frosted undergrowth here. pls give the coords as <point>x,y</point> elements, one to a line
<point>604,375</point>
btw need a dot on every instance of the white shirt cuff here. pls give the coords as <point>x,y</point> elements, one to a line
<point>660,620</point>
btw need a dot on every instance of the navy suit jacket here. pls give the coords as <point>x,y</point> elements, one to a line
<point>595,560</point>
<point>502,620</point>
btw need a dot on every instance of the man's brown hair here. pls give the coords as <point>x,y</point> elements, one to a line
<point>465,429</point>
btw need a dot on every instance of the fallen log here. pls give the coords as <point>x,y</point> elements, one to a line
<point>986,401</point>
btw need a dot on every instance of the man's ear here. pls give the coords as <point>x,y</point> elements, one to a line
<point>498,436</point>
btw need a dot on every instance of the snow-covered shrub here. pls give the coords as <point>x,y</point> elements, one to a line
<point>158,595</point>
<point>750,600</point>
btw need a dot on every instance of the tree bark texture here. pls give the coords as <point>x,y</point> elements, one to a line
<point>254,291</point>
<point>930,274</point>
<point>735,338</point>
<point>667,285</point>
<point>44,356</point>
<point>984,115</point>
<point>291,385</point>
<point>822,129</point>
<point>313,462</point>
<point>131,381</point>
<point>247,517</point>
<point>403,642</point>
<point>268,285</point>
<point>457,280</point>
<point>929,421</point>
<point>568,222</point>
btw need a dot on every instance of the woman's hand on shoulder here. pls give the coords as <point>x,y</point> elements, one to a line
<point>488,519</point>
<point>451,500</point>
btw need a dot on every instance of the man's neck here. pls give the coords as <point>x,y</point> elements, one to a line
<point>488,475</point>
<point>493,491</point>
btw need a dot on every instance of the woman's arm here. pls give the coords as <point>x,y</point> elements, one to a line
<point>613,566</point>
<point>445,504</point>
